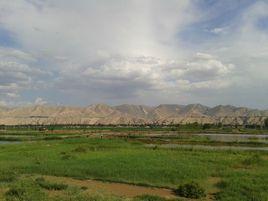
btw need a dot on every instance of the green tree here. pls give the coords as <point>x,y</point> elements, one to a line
<point>207,126</point>
<point>266,123</point>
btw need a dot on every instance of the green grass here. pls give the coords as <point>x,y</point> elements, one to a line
<point>49,185</point>
<point>148,198</point>
<point>108,159</point>
<point>24,190</point>
<point>244,175</point>
<point>7,176</point>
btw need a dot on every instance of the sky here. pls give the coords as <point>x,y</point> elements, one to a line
<point>151,52</point>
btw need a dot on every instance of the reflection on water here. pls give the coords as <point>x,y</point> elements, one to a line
<point>235,137</point>
<point>214,137</point>
<point>9,142</point>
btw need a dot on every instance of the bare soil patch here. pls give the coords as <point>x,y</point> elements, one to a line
<point>117,189</point>
<point>213,181</point>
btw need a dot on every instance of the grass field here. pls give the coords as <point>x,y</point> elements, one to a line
<point>145,135</point>
<point>225,175</point>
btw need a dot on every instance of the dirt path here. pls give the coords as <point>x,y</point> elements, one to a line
<point>213,181</point>
<point>118,189</point>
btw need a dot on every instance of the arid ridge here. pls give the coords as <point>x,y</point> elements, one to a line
<point>101,114</point>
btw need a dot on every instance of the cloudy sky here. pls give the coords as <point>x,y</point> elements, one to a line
<point>134,51</point>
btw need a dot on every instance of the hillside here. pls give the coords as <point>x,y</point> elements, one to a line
<point>132,114</point>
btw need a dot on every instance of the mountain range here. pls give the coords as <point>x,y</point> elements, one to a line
<point>131,115</point>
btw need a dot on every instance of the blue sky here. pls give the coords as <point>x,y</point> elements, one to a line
<point>7,39</point>
<point>138,51</point>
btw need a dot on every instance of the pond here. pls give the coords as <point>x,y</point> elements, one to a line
<point>9,142</point>
<point>234,137</point>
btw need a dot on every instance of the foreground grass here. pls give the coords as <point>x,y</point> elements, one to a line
<point>243,175</point>
<point>28,190</point>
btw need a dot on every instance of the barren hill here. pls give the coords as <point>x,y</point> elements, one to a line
<point>131,114</point>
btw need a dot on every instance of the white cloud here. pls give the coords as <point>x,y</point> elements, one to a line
<point>103,50</point>
<point>40,101</point>
<point>220,30</point>
<point>245,45</point>
<point>123,77</point>
<point>17,73</point>
<point>9,53</point>
<point>13,95</point>
<point>99,45</point>
<point>134,28</point>
<point>206,67</point>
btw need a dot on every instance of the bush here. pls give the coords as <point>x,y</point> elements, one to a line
<point>80,150</point>
<point>65,156</point>
<point>50,186</point>
<point>207,126</point>
<point>190,190</point>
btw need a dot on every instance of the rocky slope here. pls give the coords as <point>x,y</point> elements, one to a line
<point>131,114</point>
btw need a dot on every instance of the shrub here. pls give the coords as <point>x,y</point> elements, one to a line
<point>50,186</point>
<point>80,150</point>
<point>84,188</point>
<point>66,156</point>
<point>190,190</point>
<point>206,126</point>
